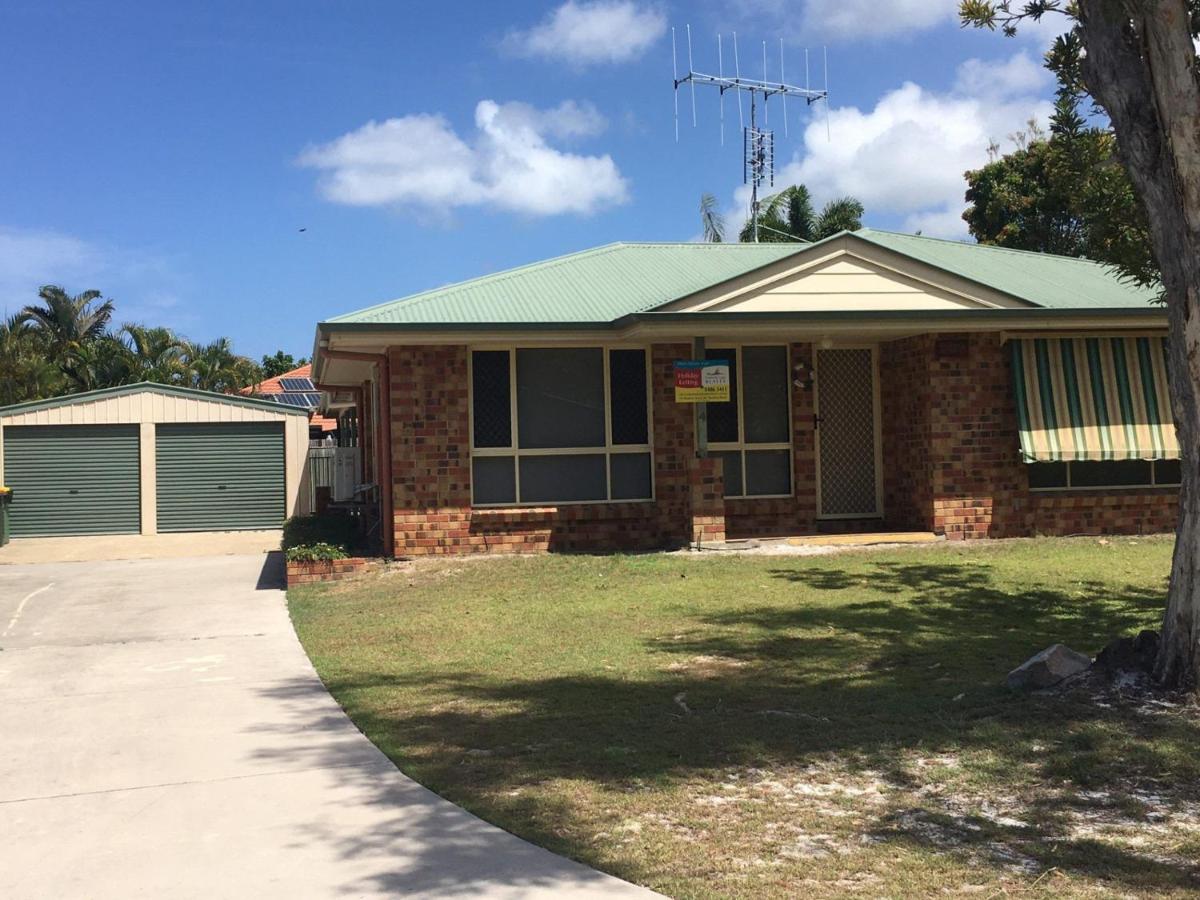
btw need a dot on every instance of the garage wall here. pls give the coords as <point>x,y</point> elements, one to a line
<point>149,408</point>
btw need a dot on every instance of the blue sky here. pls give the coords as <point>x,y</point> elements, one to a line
<point>168,154</point>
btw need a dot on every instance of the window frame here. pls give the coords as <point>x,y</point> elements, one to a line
<point>741,445</point>
<point>1154,483</point>
<point>514,451</point>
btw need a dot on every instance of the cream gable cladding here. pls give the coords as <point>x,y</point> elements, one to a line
<point>845,279</point>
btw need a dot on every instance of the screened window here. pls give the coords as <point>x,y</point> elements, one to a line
<point>752,432</point>
<point>559,425</point>
<point>1115,473</point>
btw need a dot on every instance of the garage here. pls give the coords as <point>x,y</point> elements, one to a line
<point>74,479</point>
<point>150,459</point>
<point>222,476</point>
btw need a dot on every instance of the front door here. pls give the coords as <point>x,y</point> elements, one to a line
<point>847,437</point>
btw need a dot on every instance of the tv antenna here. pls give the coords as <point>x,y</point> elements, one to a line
<point>758,144</point>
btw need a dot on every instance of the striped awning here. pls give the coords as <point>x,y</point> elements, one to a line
<point>1093,399</point>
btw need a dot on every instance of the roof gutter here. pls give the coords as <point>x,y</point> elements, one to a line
<point>676,325</point>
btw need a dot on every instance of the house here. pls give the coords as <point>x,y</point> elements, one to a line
<point>295,388</point>
<point>875,380</point>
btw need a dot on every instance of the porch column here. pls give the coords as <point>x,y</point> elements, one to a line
<point>706,482</point>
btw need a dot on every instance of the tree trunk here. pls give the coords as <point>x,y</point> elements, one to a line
<point>1140,65</point>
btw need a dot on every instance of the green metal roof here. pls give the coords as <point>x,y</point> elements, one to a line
<point>1052,282</point>
<point>598,286</point>
<point>169,390</point>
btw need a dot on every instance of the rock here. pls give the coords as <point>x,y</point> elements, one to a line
<point>1128,654</point>
<point>1048,668</point>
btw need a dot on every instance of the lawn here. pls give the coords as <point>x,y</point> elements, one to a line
<point>766,726</point>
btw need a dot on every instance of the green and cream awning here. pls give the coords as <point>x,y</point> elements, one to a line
<point>1093,399</point>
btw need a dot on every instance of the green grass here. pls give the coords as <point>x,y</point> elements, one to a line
<point>765,726</point>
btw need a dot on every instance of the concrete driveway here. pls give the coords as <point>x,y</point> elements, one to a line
<point>162,734</point>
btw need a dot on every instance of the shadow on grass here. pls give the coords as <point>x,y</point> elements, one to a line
<point>868,680</point>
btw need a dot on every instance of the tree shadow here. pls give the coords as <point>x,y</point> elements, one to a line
<point>864,680</point>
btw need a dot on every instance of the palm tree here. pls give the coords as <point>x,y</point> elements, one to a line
<point>158,353</point>
<point>100,363</point>
<point>215,367</point>
<point>842,214</point>
<point>787,216</point>
<point>67,322</point>
<point>26,373</point>
<point>711,219</point>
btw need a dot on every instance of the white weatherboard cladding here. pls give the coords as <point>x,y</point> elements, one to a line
<point>839,284</point>
<point>149,408</point>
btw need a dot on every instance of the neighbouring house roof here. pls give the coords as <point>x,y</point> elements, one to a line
<point>608,283</point>
<point>146,387</point>
<point>274,388</point>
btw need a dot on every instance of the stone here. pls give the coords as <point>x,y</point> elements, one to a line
<point>1048,668</point>
<point>1128,654</point>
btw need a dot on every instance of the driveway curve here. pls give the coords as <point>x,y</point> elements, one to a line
<point>163,734</point>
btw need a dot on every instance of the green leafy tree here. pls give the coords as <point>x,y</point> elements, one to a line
<point>215,367</point>
<point>26,372</point>
<point>280,362</point>
<point>157,354</point>
<point>1063,193</point>
<point>788,216</point>
<point>1136,59</point>
<point>102,362</point>
<point>68,322</point>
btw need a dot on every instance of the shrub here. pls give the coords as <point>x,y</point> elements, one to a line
<point>301,531</point>
<point>316,553</point>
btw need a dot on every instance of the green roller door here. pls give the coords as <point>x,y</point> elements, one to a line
<point>220,476</point>
<point>73,479</point>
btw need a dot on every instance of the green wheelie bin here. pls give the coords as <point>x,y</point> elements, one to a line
<point>5,500</point>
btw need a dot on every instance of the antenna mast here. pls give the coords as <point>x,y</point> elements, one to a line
<point>758,144</point>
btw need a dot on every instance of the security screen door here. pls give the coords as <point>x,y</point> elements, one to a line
<point>846,439</point>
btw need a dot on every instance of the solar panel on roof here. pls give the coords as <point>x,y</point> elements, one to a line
<point>297,384</point>
<point>306,400</point>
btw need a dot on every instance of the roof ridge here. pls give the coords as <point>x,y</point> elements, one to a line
<point>993,247</point>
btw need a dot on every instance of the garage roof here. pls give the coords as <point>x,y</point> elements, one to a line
<point>144,387</point>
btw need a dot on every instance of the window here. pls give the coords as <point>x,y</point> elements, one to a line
<point>752,433</point>
<point>1114,473</point>
<point>559,425</point>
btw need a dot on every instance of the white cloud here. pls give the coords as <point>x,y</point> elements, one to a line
<point>857,20</point>
<point>906,156</point>
<point>1019,74</point>
<point>143,286</point>
<point>420,162</point>
<point>832,19</point>
<point>590,32</point>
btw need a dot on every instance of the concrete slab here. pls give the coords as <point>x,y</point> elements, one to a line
<point>95,548</point>
<point>866,539</point>
<point>165,735</point>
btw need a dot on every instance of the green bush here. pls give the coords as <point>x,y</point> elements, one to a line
<point>302,531</point>
<point>316,553</point>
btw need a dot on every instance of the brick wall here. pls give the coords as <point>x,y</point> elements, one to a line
<point>431,472</point>
<point>329,570</point>
<point>904,398</point>
<point>951,463</point>
<point>954,394</point>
